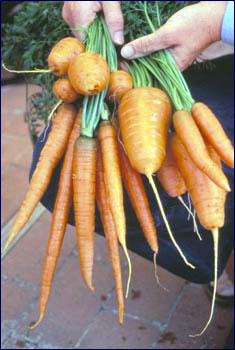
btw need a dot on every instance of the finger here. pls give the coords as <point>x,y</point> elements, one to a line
<point>182,57</point>
<point>80,13</point>
<point>148,44</point>
<point>114,19</point>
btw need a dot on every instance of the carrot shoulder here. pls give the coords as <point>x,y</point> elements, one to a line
<point>192,140</point>
<point>59,221</point>
<point>213,131</point>
<point>84,182</point>
<point>110,234</point>
<point>50,156</point>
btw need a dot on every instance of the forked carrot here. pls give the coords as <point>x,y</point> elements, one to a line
<point>59,221</point>
<point>208,200</point>
<point>110,234</point>
<point>213,132</point>
<point>190,136</point>
<point>49,157</point>
<point>84,182</point>
<point>113,183</point>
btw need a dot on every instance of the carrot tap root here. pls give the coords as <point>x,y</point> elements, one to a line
<point>215,234</point>
<point>149,176</point>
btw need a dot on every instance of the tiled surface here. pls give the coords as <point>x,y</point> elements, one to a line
<point>154,318</point>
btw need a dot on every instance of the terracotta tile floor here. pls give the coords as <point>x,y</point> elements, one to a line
<point>154,319</point>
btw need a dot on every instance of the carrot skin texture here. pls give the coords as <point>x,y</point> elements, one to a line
<point>192,140</point>
<point>110,234</point>
<point>49,157</point>
<point>213,132</point>
<point>136,192</point>
<point>84,182</point>
<point>169,174</point>
<point>208,198</point>
<point>120,82</point>
<point>64,91</point>
<point>59,220</point>
<point>144,117</point>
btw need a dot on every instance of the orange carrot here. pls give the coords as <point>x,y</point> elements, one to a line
<point>50,156</point>
<point>120,82</point>
<point>191,138</point>
<point>59,221</point>
<point>113,183</point>
<point>84,182</point>
<point>110,234</point>
<point>208,200</point>
<point>144,116</point>
<point>169,174</point>
<point>136,192</point>
<point>64,91</point>
<point>213,132</point>
<point>63,53</point>
<point>89,73</point>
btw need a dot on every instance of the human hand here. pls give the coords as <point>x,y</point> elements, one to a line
<point>187,33</point>
<point>82,13</point>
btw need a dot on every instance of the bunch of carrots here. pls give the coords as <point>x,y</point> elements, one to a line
<point>104,151</point>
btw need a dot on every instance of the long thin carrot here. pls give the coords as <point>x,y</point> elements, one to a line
<point>113,183</point>
<point>84,182</point>
<point>110,233</point>
<point>213,131</point>
<point>144,116</point>
<point>192,140</point>
<point>50,155</point>
<point>208,200</point>
<point>59,221</point>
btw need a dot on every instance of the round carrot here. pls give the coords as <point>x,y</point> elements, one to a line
<point>213,132</point>
<point>144,116</point>
<point>84,180</point>
<point>59,221</point>
<point>120,82</point>
<point>89,73</point>
<point>50,155</point>
<point>191,138</point>
<point>113,183</point>
<point>64,91</point>
<point>63,53</point>
<point>110,234</point>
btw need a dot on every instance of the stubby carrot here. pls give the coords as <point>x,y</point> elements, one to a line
<point>110,234</point>
<point>63,53</point>
<point>89,73</point>
<point>59,221</point>
<point>113,183</point>
<point>190,136</point>
<point>64,91</point>
<point>49,157</point>
<point>84,182</point>
<point>213,132</point>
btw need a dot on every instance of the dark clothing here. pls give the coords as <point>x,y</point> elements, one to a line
<point>216,88</point>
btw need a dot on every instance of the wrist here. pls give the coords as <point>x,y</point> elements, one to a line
<point>214,13</point>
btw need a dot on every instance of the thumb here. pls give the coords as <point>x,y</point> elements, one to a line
<point>161,39</point>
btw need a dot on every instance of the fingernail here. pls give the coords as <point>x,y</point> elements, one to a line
<point>127,51</point>
<point>118,38</point>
